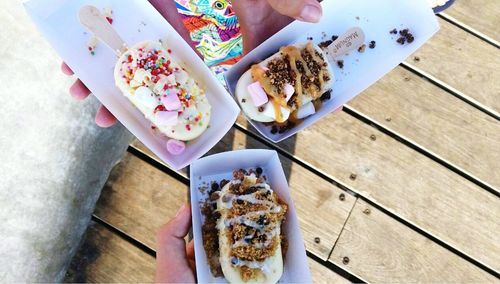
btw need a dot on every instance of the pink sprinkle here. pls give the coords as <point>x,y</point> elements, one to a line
<point>289,91</point>
<point>171,101</point>
<point>175,147</point>
<point>166,118</point>
<point>257,93</point>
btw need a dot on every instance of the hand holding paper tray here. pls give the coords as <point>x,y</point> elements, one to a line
<point>135,22</point>
<point>360,70</point>
<point>218,167</point>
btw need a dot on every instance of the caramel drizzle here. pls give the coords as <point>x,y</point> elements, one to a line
<point>294,55</point>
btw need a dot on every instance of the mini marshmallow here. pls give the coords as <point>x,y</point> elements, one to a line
<point>306,110</point>
<point>270,112</point>
<point>289,91</point>
<point>146,97</point>
<point>171,101</point>
<point>175,147</point>
<point>166,118</point>
<point>257,93</point>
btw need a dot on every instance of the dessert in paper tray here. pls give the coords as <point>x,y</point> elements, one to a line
<point>315,69</point>
<point>149,78</point>
<point>155,83</point>
<point>244,223</point>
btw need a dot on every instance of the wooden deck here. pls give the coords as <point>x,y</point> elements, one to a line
<point>417,157</point>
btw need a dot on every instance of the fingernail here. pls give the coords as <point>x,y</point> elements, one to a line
<point>310,13</point>
<point>180,210</point>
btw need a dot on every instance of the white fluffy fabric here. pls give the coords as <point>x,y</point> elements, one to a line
<point>53,159</point>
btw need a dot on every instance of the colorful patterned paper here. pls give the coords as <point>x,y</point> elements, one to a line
<point>214,28</point>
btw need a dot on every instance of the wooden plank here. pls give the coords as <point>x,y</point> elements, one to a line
<point>134,202</point>
<point>322,274</point>
<point>464,62</point>
<point>320,209</point>
<point>481,15</point>
<point>106,258</point>
<point>403,181</point>
<point>381,250</point>
<point>139,198</point>
<point>442,124</point>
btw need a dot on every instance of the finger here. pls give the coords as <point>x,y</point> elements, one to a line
<point>190,250</point>
<point>66,70</point>
<point>304,10</point>
<point>104,118</point>
<point>172,262</point>
<point>190,255</point>
<point>79,91</point>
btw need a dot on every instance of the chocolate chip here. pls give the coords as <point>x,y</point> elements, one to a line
<point>401,40</point>
<point>214,196</point>
<point>258,170</point>
<point>261,109</point>
<point>326,96</point>
<point>243,100</point>
<point>372,44</point>
<point>362,48</point>
<point>317,240</point>
<point>340,63</point>
<point>240,202</point>
<point>403,32</point>
<point>410,38</point>
<point>261,220</point>
<point>325,44</point>
<point>335,37</point>
<point>393,31</point>
<point>274,129</point>
<point>215,186</point>
<point>223,183</point>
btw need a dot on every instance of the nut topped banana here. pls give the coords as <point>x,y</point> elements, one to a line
<point>287,85</point>
<point>250,230</point>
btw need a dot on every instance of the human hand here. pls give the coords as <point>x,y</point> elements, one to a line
<point>260,19</point>
<point>174,259</point>
<point>79,91</point>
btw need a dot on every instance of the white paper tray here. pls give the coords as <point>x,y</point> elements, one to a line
<point>220,166</point>
<point>135,21</point>
<point>361,70</point>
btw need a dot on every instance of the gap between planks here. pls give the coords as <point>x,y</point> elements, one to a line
<point>375,245</point>
<point>422,150</point>
<point>469,29</point>
<point>380,207</point>
<point>182,177</point>
<point>450,90</point>
<point>161,168</point>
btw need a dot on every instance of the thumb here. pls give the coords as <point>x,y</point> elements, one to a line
<point>303,10</point>
<point>171,258</point>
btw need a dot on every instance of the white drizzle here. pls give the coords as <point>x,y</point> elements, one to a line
<point>227,203</point>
